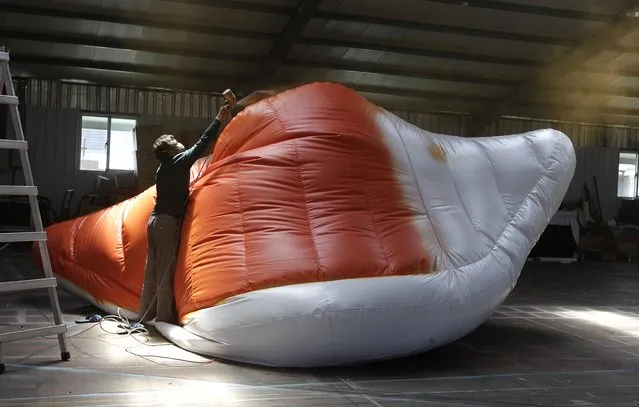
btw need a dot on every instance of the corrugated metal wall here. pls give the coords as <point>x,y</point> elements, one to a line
<point>53,133</point>
<point>122,100</point>
<point>582,135</point>
<point>450,124</point>
<point>54,109</point>
<point>174,124</point>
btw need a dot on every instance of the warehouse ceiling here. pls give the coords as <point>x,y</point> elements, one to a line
<point>555,59</point>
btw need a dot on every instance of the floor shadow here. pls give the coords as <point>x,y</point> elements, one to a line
<point>491,346</point>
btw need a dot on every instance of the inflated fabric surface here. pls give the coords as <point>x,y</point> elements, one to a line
<point>326,230</point>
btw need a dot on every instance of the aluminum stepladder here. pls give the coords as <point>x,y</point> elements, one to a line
<point>49,282</point>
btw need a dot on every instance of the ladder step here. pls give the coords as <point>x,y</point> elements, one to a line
<point>18,190</point>
<point>33,333</point>
<point>27,285</point>
<point>9,100</point>
<point>14,237</point>
<point>13,145</point>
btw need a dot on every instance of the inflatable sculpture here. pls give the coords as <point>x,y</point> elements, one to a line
<point>326,230</point>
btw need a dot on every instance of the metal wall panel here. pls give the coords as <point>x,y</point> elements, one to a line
<point>450,124</point>
<point>582,135</point>
<point>173,124</point>
<point>601,163</point>
<point>52,133</point>
<point>122,100</point>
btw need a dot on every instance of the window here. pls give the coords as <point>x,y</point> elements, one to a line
<point>107,143</point>
<point>627,176</point>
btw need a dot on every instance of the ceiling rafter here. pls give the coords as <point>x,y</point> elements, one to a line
<point>140,19</point>
<point>398,49</point>
<point>22,58</point>
<point>129,44</point>
<point>441,28</point>
<point>457,30</point>
<point>162,48</point>
<point>239,5</point>
<point>397,70</point>
<point>285,41</point>
<point>625,24</point>
<point>161,21</point>
<point>324,63</point>
<point>530,9</point>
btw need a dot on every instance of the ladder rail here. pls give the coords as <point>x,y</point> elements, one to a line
<point>39,235</point>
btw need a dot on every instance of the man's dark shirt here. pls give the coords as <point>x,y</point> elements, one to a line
<point>173,176</point>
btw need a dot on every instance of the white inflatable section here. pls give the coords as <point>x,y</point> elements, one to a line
<point>486,200</point>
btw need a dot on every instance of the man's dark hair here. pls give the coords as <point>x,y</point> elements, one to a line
<point>164,147</point>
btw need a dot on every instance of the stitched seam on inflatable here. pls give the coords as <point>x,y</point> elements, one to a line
<point>535,187</point>
<point>492,170</point>
<point>327,312</point>
<point>124,210</point>
<point>308,214</point>
<point>531,146</point>
<point>105,280</point>
<point>374,227</point>
<point>303,188</point>
<point>421,196</point>
<point>82,293</point>
<point>239,204</point>
<point>461,201</point>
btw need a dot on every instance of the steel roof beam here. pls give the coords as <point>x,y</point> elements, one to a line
<point>239,5</point>
<point>129,44</point>
<point>21,58</point>
<point>441,28</point>
<point>531,9</point>
<point>285,40</point>
<point>165,21</point>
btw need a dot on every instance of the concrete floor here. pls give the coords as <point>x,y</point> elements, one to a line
<point>567,336</point>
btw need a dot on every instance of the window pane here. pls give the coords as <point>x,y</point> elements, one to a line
<point>627,178</point>
<point>93,139</point>
<point>122,145</point>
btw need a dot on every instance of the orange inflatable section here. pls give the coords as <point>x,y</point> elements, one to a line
<point>301,189</point>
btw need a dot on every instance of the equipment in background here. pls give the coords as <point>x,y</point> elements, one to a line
<point>560,240</point>
<point>107,191</point>
<point>49,281</point>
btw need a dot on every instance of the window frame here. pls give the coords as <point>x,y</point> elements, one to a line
<point>109,116</point>
<point>636,153</point>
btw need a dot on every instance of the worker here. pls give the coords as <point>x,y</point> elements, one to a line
<point>172,187</point>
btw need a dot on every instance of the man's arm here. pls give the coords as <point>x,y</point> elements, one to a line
<point>208,138</point>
